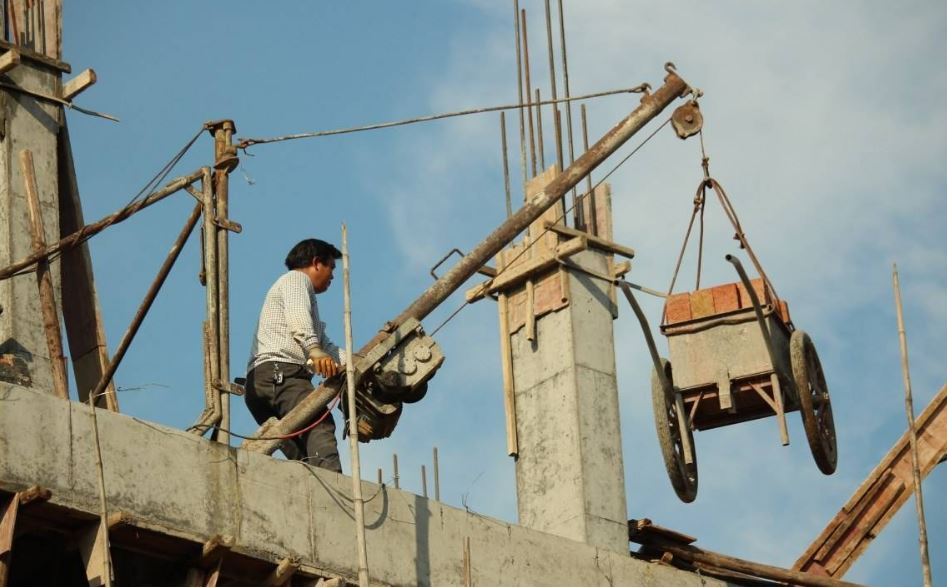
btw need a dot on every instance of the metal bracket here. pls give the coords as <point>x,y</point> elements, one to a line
<point>488,271</point>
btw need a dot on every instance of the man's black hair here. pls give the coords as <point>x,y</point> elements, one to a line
<point>312,248</point>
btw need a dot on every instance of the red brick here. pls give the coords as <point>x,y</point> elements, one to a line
<point>726,298</point>
<point>677,308</point>
<point>702,303</point>
<point>784,311</point>
<point>745,301</point>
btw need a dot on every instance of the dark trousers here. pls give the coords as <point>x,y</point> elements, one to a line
<point>275,388</point>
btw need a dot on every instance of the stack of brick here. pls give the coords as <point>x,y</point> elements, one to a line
<point>719,299</point>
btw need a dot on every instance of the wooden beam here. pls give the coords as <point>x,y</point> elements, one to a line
<point>595,242</point>
<point>47,294</point>
<point>282,574</point>
<point>78,84</point>
<point>7,528</point>
<point>520,272</point>
<point>39,58</point>
<point>9,60</point>
<point>93,547</point>
<point>52,28</point>
<point>879,497</point>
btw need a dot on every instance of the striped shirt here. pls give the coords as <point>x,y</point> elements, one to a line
<point>289,325</point>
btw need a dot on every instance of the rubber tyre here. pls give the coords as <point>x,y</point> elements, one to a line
<point>815,405</point>
<point>683,477</point>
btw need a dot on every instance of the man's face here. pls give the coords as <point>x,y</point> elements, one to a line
<point>321,275</point>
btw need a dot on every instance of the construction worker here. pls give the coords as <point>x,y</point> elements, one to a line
<point>290,345</point>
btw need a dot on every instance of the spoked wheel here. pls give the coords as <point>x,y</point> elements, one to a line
<point>814,402</point>
<point>671,428</point>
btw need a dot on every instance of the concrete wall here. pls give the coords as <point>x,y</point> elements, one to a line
<point>171,479</point>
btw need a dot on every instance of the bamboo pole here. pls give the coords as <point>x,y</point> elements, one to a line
<point>223,146</point>
<point>90,230</point>
<point>912,432</point>
<point>358,502</point>
<point>47,294</point>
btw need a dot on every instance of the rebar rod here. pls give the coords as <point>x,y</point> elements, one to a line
<point>358,503</point>
<point>397,479</point>
<point>519,88</point>
<point>912,433</point>
<point>147,302</point>
<point>539,132</point>
<point>565,79</point>
<point>506,165</point>
<point>590,192</point>
<point>529,98</point>
<point>437,478</point>
<point>552,86</point>
<point>90,230</point>
<point>44,281</point>
<point>651,105</point>
<point>423,481</point>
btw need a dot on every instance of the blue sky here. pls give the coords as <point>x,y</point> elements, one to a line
<point>823,121</point>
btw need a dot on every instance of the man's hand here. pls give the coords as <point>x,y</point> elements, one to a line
<point>323,364</point>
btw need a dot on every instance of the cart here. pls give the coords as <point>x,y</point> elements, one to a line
<point>734,366</point>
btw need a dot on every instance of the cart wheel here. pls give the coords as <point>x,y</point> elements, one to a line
<point>814,402</point>
<point>666,422</point>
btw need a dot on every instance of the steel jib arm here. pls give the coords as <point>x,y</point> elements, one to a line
<point>651,105</point>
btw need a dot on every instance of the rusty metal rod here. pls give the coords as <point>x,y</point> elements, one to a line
<point>44,280</point>
<point>358,503</point>
<point>565,78</point>
<point>539,131</point>
<point>423,481</point>
<point>146,303</point>
<point>437,477</point>
<point>590,192</point>
<point>506,165</point>
<point>694,554</point>
<point>519,88</point>
<point>651,105</point>
<point>912,432</point>
<point>397,479</point>
<point>90,230</point>
<point>529,107</point>
<point>552,86</point>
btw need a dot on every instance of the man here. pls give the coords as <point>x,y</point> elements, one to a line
<point>289,336</point>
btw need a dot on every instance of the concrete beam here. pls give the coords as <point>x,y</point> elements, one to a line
<point>278,510</point>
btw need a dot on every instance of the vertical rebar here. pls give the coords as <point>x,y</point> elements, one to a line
<point>519,88</point>
<point>590,191</point>
<point>394,458</point>
<point>423,480</point>
<point>909,410</point>
<point>539,131</point>
<point>380,476</point>
<point>506,165</point>
<point>529,106</point>
<point>358,503</point>
<point>565,76</point>
<point>552,85</point>
<point>437,478</point>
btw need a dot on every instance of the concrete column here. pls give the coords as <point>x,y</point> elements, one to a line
<point>27,123</point>
<point>569,475</point>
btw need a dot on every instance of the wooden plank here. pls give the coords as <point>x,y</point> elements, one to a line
<point>520,272</point>
<point>880,496</point>
<point>7,529</point>
<point>9,60</point>
<point>44,280</point>
<point>78,84</point>
<point>82,316</point>
<point>38,58</point>
<point>52,28</point>
<point>282,574</point>
<point>93,547</point>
